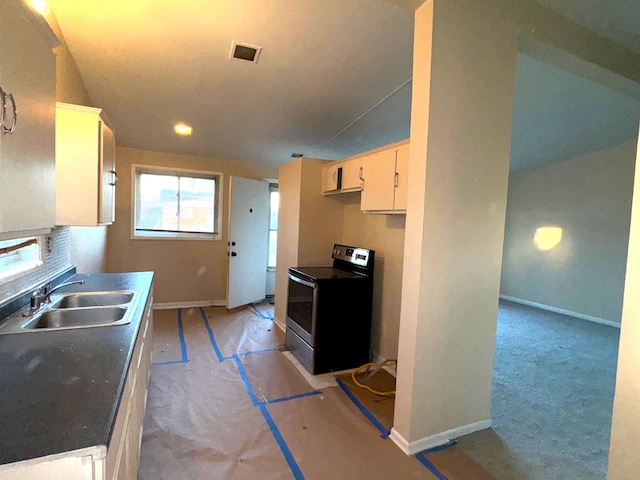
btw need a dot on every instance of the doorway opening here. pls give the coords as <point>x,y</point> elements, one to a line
<point>563,271</point>
<point>274,205</point>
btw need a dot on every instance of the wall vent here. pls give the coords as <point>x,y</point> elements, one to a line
<point>244,51</point>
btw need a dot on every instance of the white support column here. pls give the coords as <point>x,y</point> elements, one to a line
<point>463,81</point>
<point>624,462</point>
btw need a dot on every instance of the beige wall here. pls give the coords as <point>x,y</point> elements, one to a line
<point>186,270</point>
<point>70,87</point>
<point>88,244</point>
<point>385,235</point>
<point>289,183</point>
<point>308,225</point>
<point>589,197</point>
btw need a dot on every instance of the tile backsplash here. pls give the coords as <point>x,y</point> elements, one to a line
<point>58,259</point>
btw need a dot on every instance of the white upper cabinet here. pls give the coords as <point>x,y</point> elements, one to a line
<point>331,178</point>
<point>352,175</point>
<point>85,167</point>
<point>342,177</point>
<point>27,116</point>
<point>385,174</point>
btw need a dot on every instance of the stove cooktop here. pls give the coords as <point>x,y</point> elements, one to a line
<point>324,273</point>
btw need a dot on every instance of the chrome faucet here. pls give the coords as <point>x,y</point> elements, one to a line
<point>42,296</point>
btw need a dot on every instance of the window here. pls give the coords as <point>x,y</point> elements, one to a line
<point>274,202</point>
<point>18,257</point>
<point>176,204</point>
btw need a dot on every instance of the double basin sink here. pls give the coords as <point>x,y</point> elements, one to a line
<point>76,310</point>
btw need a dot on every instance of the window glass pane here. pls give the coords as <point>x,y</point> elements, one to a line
<point>274,202</point>
<point>273,243</point>
<point>158,202</point>
<point>197,200</point>
<point>18,257</point>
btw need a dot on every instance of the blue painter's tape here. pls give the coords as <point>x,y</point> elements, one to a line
<point>383,430</point>
<point>183,343</point>
<point>266,350</point>
<point>259,313</point>
<point>245,379</point>
<point>431,467</point>
<point>452,443</point>
<point>212,339</point>
<point>172,362</point>
<point>293,465</point>
<point>292,397</point>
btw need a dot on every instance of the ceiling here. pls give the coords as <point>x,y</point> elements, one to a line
<point>333,78</point>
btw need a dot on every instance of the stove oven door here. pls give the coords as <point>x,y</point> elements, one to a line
<point>302,307</point>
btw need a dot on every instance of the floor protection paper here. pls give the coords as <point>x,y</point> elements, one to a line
<point>226,403</point>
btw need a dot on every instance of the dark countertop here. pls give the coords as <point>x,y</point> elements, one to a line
<point>60,390</point>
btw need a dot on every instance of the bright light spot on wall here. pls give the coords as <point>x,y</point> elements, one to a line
<point>547,237</point>
<point>182,129</point>
<point>41,6</point>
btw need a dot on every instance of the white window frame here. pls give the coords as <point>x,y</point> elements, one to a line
<point>11,270</point>
<point>217,176</point>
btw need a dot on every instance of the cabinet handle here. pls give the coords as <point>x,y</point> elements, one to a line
<point>3,108</point>
<point>115,178</point>
<point>15,113</point>
<point>395,180</point>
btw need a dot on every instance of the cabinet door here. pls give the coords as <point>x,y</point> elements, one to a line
<point>352,175</point>
<point>379,171</point>
<point>27,162</point>
<point>402,178</point>
<point>108,175</point>
<point>330,178</point>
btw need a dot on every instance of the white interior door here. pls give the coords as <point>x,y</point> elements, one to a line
<point>248,241</point>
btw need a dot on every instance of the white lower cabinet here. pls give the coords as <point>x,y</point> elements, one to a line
<point>123,454</point>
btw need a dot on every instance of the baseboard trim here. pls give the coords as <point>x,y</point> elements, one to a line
<point>196,304</point>
<point>279,324</point>
<point>411,448</point>
<point>581,316</point>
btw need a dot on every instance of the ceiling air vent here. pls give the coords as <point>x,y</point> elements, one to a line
<point>243,51</point>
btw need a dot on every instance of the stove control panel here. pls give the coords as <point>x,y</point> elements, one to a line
<point>354,255</point>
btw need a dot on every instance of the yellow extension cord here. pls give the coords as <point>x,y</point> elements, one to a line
<point>367,387</point>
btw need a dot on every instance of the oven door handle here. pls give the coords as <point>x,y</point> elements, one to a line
<point>303,282</point>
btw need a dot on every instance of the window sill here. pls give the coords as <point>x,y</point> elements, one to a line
<point>176,236</point>
<point>20,271</point>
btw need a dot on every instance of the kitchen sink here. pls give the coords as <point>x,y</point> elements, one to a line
<point>76,310</point>
<point>79,317</point>
<point>92,299</point>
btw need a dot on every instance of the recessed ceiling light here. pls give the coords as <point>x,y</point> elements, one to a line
<point>297,155</point>
<point>182,129</point>
<point>41,6</point>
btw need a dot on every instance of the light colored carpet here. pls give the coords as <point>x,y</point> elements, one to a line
<point>553,391</point>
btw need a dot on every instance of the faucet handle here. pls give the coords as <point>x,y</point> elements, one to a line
<point>46,289</point>
<point>36,299</point>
